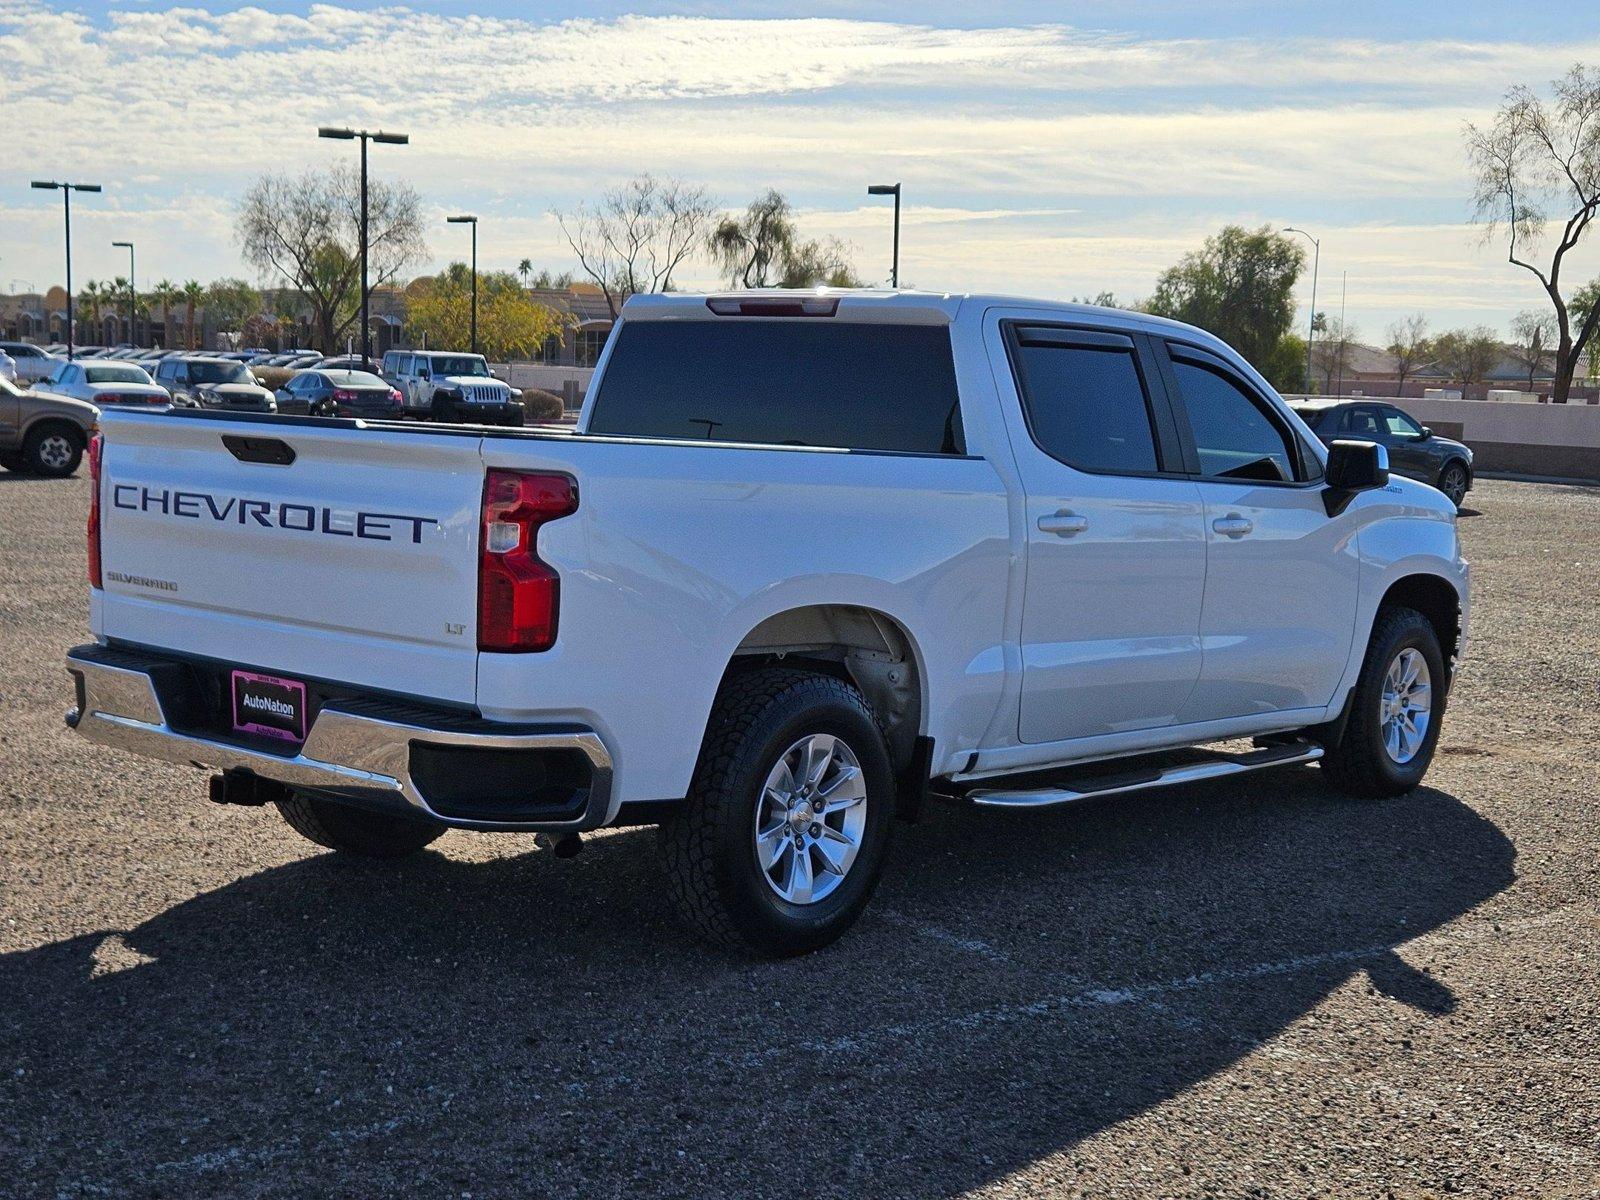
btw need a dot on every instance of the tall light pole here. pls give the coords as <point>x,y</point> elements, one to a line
<point>66,190</point>
<point>473,221</point>
<point>891,189</point>
<point>1311,325</point>
<point>390,139</point>
<point>133,292</point>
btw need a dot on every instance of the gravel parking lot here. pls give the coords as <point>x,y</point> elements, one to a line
<point>1251,988</point>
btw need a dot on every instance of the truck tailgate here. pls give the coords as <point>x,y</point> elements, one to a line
<point>355,563</point>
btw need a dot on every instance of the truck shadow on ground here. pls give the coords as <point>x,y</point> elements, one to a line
<point>523,1026</point>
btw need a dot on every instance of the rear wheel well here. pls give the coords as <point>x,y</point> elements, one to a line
<point>862,646</point>
<point>1435,599</point>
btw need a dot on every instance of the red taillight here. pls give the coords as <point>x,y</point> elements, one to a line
<point>94,511</point>
<point>344,394</point>
<point>518,595</point>
<point>396,398</point>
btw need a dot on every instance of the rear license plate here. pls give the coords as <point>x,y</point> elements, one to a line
<point>269,706</point>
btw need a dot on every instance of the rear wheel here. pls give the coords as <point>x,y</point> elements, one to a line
<point>1453,482</point>
<point>779,846</point>
<point>1396,709</point>
<point>53,450</point>
<point>354,830</point>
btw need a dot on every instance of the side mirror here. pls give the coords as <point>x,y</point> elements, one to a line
<point>1353,467</point>
<point>1426,434</point>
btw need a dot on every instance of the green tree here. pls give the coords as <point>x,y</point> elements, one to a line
<point>1585,301</point>
<point>511,324</point>
<point>1240,286</point>
<point>762,247</point>
<point>1538,164</point>
<point>164,295</point>
<point>1468,355</point>
<point>232,302</point>
<point>193,296</point>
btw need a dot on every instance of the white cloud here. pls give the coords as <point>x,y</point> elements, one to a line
<point>1049,158</point>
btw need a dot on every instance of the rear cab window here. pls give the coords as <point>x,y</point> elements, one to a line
<point>823,382</point>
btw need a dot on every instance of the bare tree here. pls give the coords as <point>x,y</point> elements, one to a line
<point>637,235</point>
<point>1408,346</point>
<point>1468,355</point>
<point>307,232</point>
<point>1536,162</point>
<point>1531,335</point>
<point>1331,354</point>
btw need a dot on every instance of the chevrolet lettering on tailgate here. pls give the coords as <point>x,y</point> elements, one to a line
<point>269,514</point>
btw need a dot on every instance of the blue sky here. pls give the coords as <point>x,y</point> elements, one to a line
<point>1048,149</point>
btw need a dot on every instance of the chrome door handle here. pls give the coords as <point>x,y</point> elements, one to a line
<point>1063,523</point>
<point>1233,525</point>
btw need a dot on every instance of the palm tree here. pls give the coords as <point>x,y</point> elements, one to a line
<point>120,288</point>
<point>192,293</point>
<point>164,294</point>
<point>525,268</point>
<point>90,298</point>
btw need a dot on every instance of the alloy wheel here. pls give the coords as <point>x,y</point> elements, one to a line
<point>810,819</point>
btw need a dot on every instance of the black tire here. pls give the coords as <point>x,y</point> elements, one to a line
<point>357,831</point>
<point>13,463</point>
<point>53,449</point>
<point>1359,763</point>
<point>708,845</point>
<point>1454,480</point>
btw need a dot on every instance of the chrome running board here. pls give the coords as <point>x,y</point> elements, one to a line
<point>1137,779</point>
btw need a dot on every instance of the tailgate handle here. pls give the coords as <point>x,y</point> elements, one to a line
<point>274,451</point>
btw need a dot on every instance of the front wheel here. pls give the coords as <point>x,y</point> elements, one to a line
<point>779,846</point>
<point>1453,483</point>
<point>1396,709</point>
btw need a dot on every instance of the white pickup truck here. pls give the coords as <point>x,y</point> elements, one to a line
<point>807,559</point>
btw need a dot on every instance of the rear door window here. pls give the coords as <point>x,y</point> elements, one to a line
<point>809,382</point>
<point>1085,399</point>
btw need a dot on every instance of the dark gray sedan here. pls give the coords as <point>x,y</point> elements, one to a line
<point>318,393</point>
<point>1415,451</point>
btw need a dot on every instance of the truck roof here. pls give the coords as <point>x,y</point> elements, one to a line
<point>888,305</point>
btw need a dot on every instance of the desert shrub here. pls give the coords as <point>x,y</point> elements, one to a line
<point>542,406</point>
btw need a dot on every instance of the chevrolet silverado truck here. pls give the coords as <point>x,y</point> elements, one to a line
<point>807,560</point>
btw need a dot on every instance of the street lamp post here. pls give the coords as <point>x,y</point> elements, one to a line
<point>133,292</point>
<point>1311,324</point>
<point>66,190</point>
<point>891,189</point>
<point>473,221</point>
<point>391,139</point>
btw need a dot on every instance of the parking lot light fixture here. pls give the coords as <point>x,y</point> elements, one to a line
<point>66,189</point>
<point>1311,324</point>
<point>133,292</point>
<point>339,133</point>
<point>891,189</point>
<point>473,221</point>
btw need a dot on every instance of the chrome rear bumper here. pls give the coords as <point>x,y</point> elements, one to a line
<point>362,756</point>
